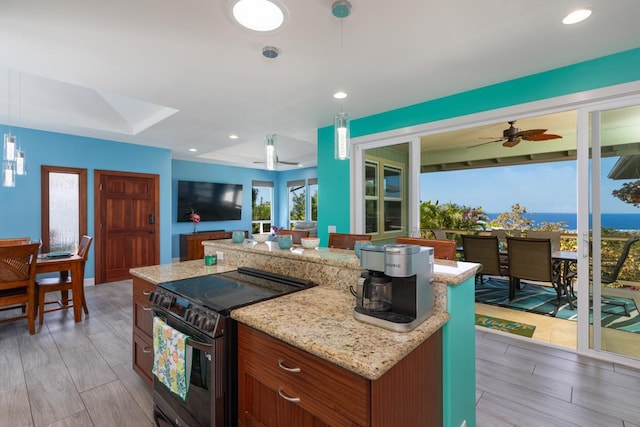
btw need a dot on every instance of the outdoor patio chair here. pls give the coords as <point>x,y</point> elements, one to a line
<point>439,234</point>
<point>442,249</point>
<point>530,259</point>
<point>296,235</point>
<point>484,250</point>
<point>554,236</point>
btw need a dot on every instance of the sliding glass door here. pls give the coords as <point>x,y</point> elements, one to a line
<point>608,280</point>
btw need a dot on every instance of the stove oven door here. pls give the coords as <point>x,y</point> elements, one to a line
<point>205,401</point>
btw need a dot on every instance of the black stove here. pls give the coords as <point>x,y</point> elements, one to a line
<point>200,307</point>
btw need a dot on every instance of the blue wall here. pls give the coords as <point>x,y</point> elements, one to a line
<point>20,205</point>
<point>194,171</point>
<point>335,203</point>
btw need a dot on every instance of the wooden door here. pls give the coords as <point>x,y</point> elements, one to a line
<point>127,221</point>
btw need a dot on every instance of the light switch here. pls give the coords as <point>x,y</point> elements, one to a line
<point>332,229</point>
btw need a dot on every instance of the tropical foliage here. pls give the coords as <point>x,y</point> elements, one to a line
<point>629,193</point>
<point>451,216</point>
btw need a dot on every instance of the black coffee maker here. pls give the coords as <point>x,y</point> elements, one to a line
<point>395,291</point>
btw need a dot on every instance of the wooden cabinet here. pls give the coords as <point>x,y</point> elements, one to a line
<point>191,244</point>
<point>280,385</point>
<point>142,329</point>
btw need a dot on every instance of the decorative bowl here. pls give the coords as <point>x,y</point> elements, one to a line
<point>310,242</point>
<point>261,237</point>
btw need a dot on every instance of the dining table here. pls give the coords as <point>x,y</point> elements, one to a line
<point>565,262</point>
<point>65,265</point>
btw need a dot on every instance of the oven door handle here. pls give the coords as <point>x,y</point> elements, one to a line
<point>200,345</point>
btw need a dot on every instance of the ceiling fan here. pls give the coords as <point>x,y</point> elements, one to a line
<point>278,162</point>
<point>512,136</point>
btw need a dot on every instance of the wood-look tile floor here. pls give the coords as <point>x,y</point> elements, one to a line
<point>72,374</point>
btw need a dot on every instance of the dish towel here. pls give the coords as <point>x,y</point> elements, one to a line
<point>171,358</point>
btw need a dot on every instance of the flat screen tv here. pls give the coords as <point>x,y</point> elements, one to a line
<point>213,201</point>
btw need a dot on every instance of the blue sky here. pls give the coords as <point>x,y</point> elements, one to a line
<point>544,187</point>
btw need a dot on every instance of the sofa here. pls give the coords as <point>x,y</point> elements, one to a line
<point>312,226</point>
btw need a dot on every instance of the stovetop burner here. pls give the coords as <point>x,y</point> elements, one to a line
<point>226,291</point>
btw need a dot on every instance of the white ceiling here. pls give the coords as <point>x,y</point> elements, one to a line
<point>181,75</point>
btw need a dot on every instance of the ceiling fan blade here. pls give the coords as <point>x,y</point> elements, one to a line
<point>485,143</point>
<point>542,137</point>
<point>288,163</point>
<point>510,144</point>
<point>529,132</point>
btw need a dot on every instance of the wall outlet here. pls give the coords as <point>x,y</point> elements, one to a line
<point>220,255</point>
<point>332,229</point>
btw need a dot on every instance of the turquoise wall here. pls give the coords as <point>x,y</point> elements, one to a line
<point>182,170</point>
<point>20,205</point>
<point>333,175</point>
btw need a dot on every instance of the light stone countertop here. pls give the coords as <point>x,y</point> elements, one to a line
<point>320,321</point>
<point>178,270</point>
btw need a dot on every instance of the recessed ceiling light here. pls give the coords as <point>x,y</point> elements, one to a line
<point>233,136</point>
<point>193,150</point>
<point>259,15</point>
<point>576,16</point>
<point>340,95</point>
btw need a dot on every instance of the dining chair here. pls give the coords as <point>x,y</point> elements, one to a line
<point>346,241</point>
<point>62,284</point>
<point>442,249</point>
<point>554,236</point>
<point>295,234</point>
<point>17,280</point>
<point>484,250</point>
<point>15,241</point>
<point>530,259</point>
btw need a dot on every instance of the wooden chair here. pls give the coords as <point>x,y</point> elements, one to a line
<point>61,284</point>
<point>442,249</point>
<point>15,241</point>
<point>17,280</point>
<point>296,234</point>
<point>346,241</point>
<point>484,250</point>
<point>530,259</point>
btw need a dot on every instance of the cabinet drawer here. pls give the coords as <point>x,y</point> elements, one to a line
<point>329,392</point>
<point>143,358</point>
<point>142,317</point>
<point>142,288</point>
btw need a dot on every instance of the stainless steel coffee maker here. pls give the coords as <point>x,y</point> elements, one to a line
<point>396,291</point>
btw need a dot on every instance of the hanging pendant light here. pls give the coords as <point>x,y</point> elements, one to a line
<point>8,174</point>
<point>270,148</point>
<point>9,151</point>
<point>14,158</point>
<point>341,139</point>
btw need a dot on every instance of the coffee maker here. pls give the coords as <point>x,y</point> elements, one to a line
<point>395,292</point>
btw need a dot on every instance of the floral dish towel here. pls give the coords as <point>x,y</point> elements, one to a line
<point>171,359</point>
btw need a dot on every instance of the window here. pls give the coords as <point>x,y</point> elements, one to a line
<point>384,197</point>
<point>261,206</point>
<point>303,200</point>
<point>64,208</point>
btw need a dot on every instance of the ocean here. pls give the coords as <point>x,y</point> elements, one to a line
<point>609,220</point>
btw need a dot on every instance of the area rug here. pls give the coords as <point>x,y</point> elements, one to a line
<point>542,300</point>
<point>505,325</point>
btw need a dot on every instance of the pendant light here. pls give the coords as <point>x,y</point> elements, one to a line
<point>342,123</point>
<point>270,140</point>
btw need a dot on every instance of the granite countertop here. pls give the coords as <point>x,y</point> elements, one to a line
<point>178,270</point>
<point>320,321</point>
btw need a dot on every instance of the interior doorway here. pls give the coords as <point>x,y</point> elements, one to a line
<point>127,223</point>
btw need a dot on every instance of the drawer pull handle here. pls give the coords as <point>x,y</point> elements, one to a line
<point>285,397</point>
<point>147,350</point>
<point>147,308</point>
<point>286,368</point>
<point>146,293</point>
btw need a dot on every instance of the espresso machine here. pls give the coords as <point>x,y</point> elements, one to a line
<point>395,291</point>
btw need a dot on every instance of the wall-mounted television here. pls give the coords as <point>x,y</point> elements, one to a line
<point>211,200</point>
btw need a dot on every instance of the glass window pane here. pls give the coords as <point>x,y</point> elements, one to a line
<point>370,179</point>
<point>392,215</point>
<point>261,209</point>
<point>297,203</point>
<point>64,197</point>
<point>392,182</point>
<point>313,195</point>
<point>371,216</point>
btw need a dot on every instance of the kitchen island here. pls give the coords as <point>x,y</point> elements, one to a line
<point>316,328</point>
